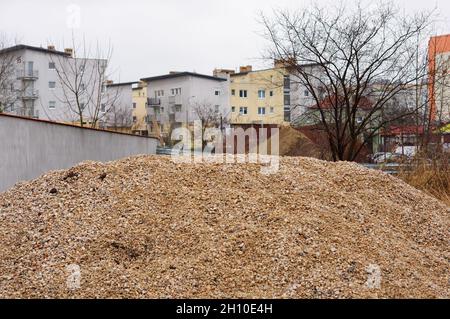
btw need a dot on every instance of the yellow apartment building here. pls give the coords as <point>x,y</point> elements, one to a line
<point>140,110</point>
<point>260,97</point>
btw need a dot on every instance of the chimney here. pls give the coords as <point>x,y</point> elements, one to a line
<point>68,51</point>
<point>281,63</point>
<point>245,69</point>
<point>222,73</point>
<point>51,47</point>
<point>173,72</point>
<point>109,82</point>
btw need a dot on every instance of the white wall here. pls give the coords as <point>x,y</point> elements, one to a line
<point>31,148</point>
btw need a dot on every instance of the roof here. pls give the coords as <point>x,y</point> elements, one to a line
<point>122,84</point>
<point>181,74</point>
<point>404,130</point>
<point>274,68</point>
<point>29,47</point>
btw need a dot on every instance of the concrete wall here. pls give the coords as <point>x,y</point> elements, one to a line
<point>30,148</point>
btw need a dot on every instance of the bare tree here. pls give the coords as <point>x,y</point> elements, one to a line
<point>83,78</point>
<point>9,93</point>
<point>119,118</point>
<point>357,55</point>
<point>210,116</point>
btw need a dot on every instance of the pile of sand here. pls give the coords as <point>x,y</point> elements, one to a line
<point>146,227</point>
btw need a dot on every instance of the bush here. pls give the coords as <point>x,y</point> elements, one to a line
<point>430,175</point>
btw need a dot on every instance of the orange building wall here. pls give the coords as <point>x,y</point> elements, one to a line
<point>437,45</point>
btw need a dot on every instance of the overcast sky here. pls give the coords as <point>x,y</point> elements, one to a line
<point>152,37</point>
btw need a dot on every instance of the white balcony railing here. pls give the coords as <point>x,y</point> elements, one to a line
<point>175,100</point>
<point>154,102</point>
<point>27,74</point>
<point>30,94</point>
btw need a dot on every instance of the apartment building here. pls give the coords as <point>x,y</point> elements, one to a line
<point>116,112</point>
<point>271,97</point>
<point>439,78</point>
<point>45,81</point>
<point>257,97</point>
<point>174,98</point>
<point>140,109</point>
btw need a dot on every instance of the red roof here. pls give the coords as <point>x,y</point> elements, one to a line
<point>404,130</point>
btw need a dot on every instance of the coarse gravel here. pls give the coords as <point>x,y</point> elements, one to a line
<point>146,227</point>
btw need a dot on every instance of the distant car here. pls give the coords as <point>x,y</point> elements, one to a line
<point>373,157</point>
<point>391,158</point>
<point>382,157</point>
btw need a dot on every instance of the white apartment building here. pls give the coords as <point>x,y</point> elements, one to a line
<point>174,98</point>
<point>45,84</point>
<point>117,110</point>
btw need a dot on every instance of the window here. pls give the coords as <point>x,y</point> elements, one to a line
<point>287,114</point>
<point>162,109</point>
<point>134,119</point>
<point>51,66</point>
<point>287,99</point>
<point>271,109</point>
<point>176,91</point>
<point>159,93</point>
<point>243,110</point>
<point>233,92</point>
<point>271,93</point>
<point>52,105</point>
<point>287,82</point>
<point>261,111</point>
<point>52,85</point>
<point>233,109</point>
<point>134,105</point>
<point>306,93</point>
<point>243,93</point>
<point>262,94</point>
<point>217,92</point>
<point>217,108</point>
<point>103,108</point>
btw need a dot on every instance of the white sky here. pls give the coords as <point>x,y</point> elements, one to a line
<point>152,37</point>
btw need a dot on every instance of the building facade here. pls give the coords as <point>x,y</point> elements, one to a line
<point>54,85</point>
<point>117,114</point>
<point>267,97</point>
<point>174,99</point>
<point>439,78</point>
<point>140,109</point>
<point>258,97</point>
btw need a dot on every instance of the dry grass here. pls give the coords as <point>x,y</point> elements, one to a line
<point>431,177</point>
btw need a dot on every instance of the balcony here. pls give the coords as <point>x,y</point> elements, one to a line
<point>27,74</point>
<point>30,95</point>
<point>153,102</point>
<point>175,100</point>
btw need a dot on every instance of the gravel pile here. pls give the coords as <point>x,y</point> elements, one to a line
<point>146,227</point>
